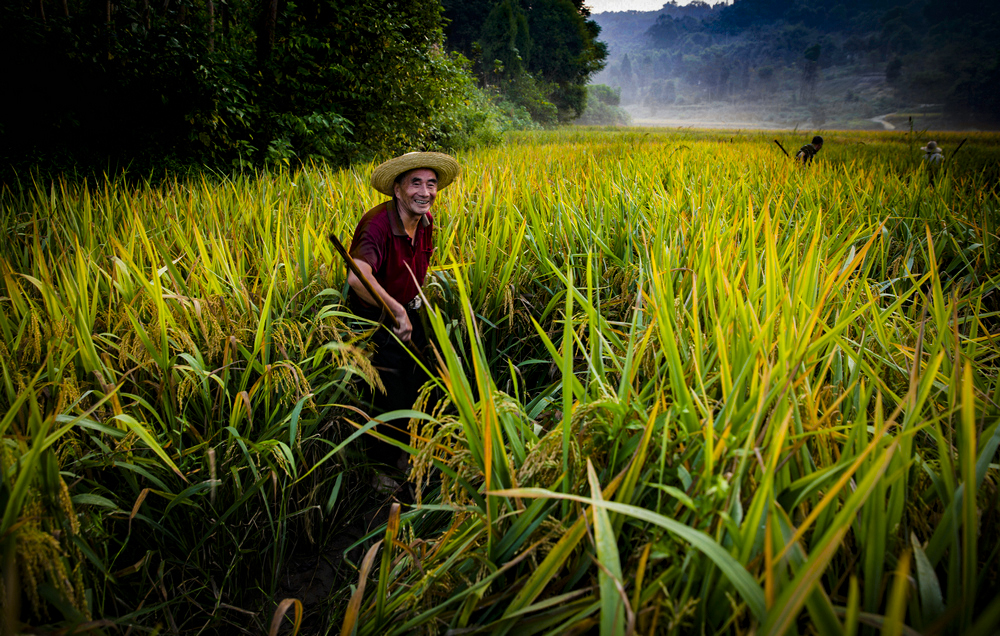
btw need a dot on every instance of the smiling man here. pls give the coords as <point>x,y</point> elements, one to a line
<point>392,240</point>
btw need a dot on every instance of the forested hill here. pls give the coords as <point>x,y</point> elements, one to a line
<point>821,53</point>
<point>625,31</point>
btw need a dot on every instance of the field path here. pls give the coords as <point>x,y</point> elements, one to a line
<point>881,120</point>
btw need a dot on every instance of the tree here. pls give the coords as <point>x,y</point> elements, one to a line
<point>664,32</point>
<point>810,71</point>
<point>765,75</point>
<point>893,71</point>
<point>464,22</point>
<point>505,41</point>
<point>605,94</point>
<point>568,52</point>
<point>556,54</point>
<point>626,68</point>
<point>660,93</point>
<point>602,107</point>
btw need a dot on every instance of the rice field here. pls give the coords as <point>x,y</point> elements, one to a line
<point>688,387</point>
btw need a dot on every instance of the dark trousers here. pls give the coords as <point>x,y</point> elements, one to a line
<point>401,375</point>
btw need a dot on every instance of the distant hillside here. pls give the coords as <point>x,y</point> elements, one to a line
<point>811,63</point>
<point>625,31</point>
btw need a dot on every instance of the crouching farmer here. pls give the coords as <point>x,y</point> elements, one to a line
<point>392,248</point>
<point>807,152</point>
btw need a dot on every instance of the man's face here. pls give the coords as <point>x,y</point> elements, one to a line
<point>416,190</point>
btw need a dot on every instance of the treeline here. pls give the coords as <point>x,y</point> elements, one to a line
<point>149,86</point>
<point>538,55</point>
<point>940,51</point>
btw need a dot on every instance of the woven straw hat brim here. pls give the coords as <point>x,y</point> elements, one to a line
<point>384,176</point>
<point>927,148</point>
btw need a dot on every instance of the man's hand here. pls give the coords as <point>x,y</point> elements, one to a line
<point>405,329</point>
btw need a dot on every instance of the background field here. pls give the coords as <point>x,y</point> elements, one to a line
<point>690,386</point>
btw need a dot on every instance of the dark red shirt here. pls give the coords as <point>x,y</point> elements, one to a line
<point>381,241</point>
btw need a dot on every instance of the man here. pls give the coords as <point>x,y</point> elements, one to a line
<point>932,153</point>
<point>808,151</point>
<point>933,158</point>
<point>392,246</point>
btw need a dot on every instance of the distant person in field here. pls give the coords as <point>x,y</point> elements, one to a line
<point>390,241</point>
<point>933,158</point>
<point>932,154</point>
<point>808,151</point>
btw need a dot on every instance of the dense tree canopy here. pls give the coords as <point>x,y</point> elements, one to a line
<point>233,83</point>
<point>537,53</point>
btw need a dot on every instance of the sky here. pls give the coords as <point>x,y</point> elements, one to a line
<point>602,6</point>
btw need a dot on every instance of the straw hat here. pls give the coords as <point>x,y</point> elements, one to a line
<point>384,176</point>
<point>931,147</point>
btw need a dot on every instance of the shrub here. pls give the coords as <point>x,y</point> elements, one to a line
<point>602,108</point>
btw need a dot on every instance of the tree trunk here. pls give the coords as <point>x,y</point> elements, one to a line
<point>41,9</point>
<point>211,26</point>
<point>265,34</point>
<point>107,28</point>
<point>103,10</point>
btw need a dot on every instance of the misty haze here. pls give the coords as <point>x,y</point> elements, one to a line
<point>811,64</point>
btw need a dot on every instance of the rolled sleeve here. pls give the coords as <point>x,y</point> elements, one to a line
<point>369,241</point>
